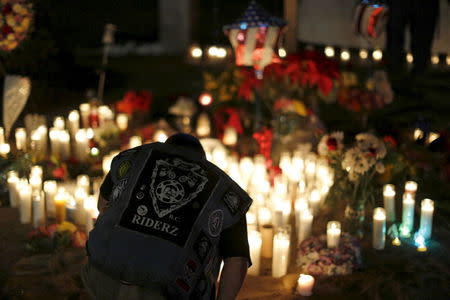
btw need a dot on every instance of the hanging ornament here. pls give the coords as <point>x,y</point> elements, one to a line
<point>370,19</point>
<point>254,36</point>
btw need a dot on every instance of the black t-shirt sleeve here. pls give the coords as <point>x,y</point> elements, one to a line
<point>233,241</point>
<point>106,187</point>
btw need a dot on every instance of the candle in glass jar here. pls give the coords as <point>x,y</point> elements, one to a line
<point>379,228</point>
<point>426,218</point>
<point>21,139</point>
<point>306,219</point>
<point>280,258</point>
<point>255,243</point>
<point>60,206</point>
<point>122,121</point>
<point>305,285</point>
<point>389,202</point>
<point>411,188</point>
<point>25,202</point>
<point>408,214</point>
<point>50,188</point>
<point>333,234</point>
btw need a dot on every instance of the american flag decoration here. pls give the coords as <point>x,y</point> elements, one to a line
<point>370,19</point>
<point>254,36</point>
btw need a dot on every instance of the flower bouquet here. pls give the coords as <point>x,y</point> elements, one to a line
<point>355,168</point>
<point>15,22</point>
<point>55,237</point>
<point>315,258</point>
<point>136,104</point>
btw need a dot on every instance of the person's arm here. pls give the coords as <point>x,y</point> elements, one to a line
<point>233,275</point>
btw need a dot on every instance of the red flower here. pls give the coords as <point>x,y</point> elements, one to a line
<point>390,141</point>
<point>6,29</point>
<point>134,101</point>
<point>332,144</point>
<point>7,9</point>
<point>59,173</point>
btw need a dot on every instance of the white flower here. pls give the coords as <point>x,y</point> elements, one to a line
<point>371,144</point>
<point>332,142</point>
<point>352,176</point>
<point>356,161</point>
<point>380,168</point>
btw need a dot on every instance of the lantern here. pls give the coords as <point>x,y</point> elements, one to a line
<point>370,19</point>
<point>254,36</point>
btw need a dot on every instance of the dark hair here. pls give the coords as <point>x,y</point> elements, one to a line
<point>187,141</point>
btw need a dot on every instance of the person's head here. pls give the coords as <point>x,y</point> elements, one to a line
<point>186,141</point>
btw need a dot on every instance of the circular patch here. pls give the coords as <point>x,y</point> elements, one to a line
<point>170,192</point>
<point>123,169</point>
<point>140,195</point>
<point>142,210</point>
<point>215,222</point>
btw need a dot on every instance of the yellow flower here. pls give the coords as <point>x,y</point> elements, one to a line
<point>26,22</point>
<point>66,226</point>
<point>20,29</point>
<point>12,45</point>
<point>17,8</point>
<point>10,20</point>
<point>300,108</point>
<point>10,37</point>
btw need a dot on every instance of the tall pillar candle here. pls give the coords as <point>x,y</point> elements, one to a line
<point>60,206</point>
<point>379,228</point>
<point>90,209</point>
<point>333,234</point>
<point>85,110</point>
<point>122,121</point>
<point>426,218</point>
<point>38,209</point>
<point>255,243</point>
<point>36,183</point>
<point>50,189</point>
<point>25,202</point>
<point>21,139</point>
<point>13,180</point>
<point>408,214</point>
<point>314,201</point>
<point>80,214</point>
<point>411,188</point>
<point>389,202</point>
<point>280,258</point>
<point>83,181</point>
<point>73,122</point>
<point>306,219</point>
<point>64,141</point>
<point>264,216</point>
<point>267,241</point>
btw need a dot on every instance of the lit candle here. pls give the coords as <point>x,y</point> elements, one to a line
<point>379,228</point>
<point>160,136</point>
<point>83,182</point>
<point>36,183</point>
<point>285,163</point>
<point>64,141</point>
<point>251,221</point>
<point>13,180</point>
<point>411,188</point>
<point>264,216</point>
<point>306,219</point>
<point>60,206</point>
<point>71,209</point>
<point>59,123</point>
<point>38,209</point>
<point>21,139</point>
<point>426,218</point>
<point>74,122</point>
<point>122,121</point>
<point>305,285</point>
<point>267,241</point>
<point>230,136</point>
<point>255,243</point>
<point>4,149</point>
<point>2,135</point>
<point>85,110</point>
<point>50,188</point>
<point>80,213</point>
<point>408,214</point>
<point>389,202</point>
<point>82,145</point>
<point>54,141</point>
<point>396,242</point>
<point>25,202</point>
<point>280,259</point>
<point>333,234</point>
<point>36,171</point>
<point>90,208</point>
<point>106,163</point>
<point>219,157</point>
<point>314,201</point>
<point>135,141</point>
<point>203,125</point>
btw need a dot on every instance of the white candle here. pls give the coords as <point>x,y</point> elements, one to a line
<point>305,285</point>
<point>300,205</point>
<point>379,228</point>
<point>85,110</point>
<point>4,149</point>
<point>38,209</point>
<point>135,141</point>
<point>314,201</point>
<point>306,219</point>
<point>50,188</point>
<point>264,216</point>
<point>122,121</point>
<point>106,163</point>
<point>267,241</point>
<point>25,202</point>
<point>230,136</point>
<point>408,214</point>
<point>21,139</point>
<point>160,136</point>
<point>389,201</point>
<point>2,135</point>
<point>36,171</point>
<point>285,163</point>
<point>59,123</point>
<point>411,188</point>
<point>333,234</point>
<point>104,114</point>
<point>280,259</point>
<point>255,243</point>
<point>83,182</point>
<point>36,183</point>
<point>203,125</point>
<point>64,141</point>
<point>251,221</point>
<point>13,180</point>
<point>74,122</point>
<point>426,218</point>
<point>91,212</point>
<point>80,213</point>
<point>82,145</point>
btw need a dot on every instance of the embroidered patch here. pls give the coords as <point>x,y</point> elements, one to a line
<point>118,189</point>
<point>232,201</point>
<point>215,222</point>
<point>123,169</point>
<point>202,246</point>
<point>174,190</point>
<point>183,285</point>
<point>142,210</point>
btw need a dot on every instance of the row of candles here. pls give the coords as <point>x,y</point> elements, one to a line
<point>37,200</point>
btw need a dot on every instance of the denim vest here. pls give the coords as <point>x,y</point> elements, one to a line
<point>166,212</point>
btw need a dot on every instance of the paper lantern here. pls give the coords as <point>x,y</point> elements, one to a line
<point>254,36</point>
<point>370,19</point>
